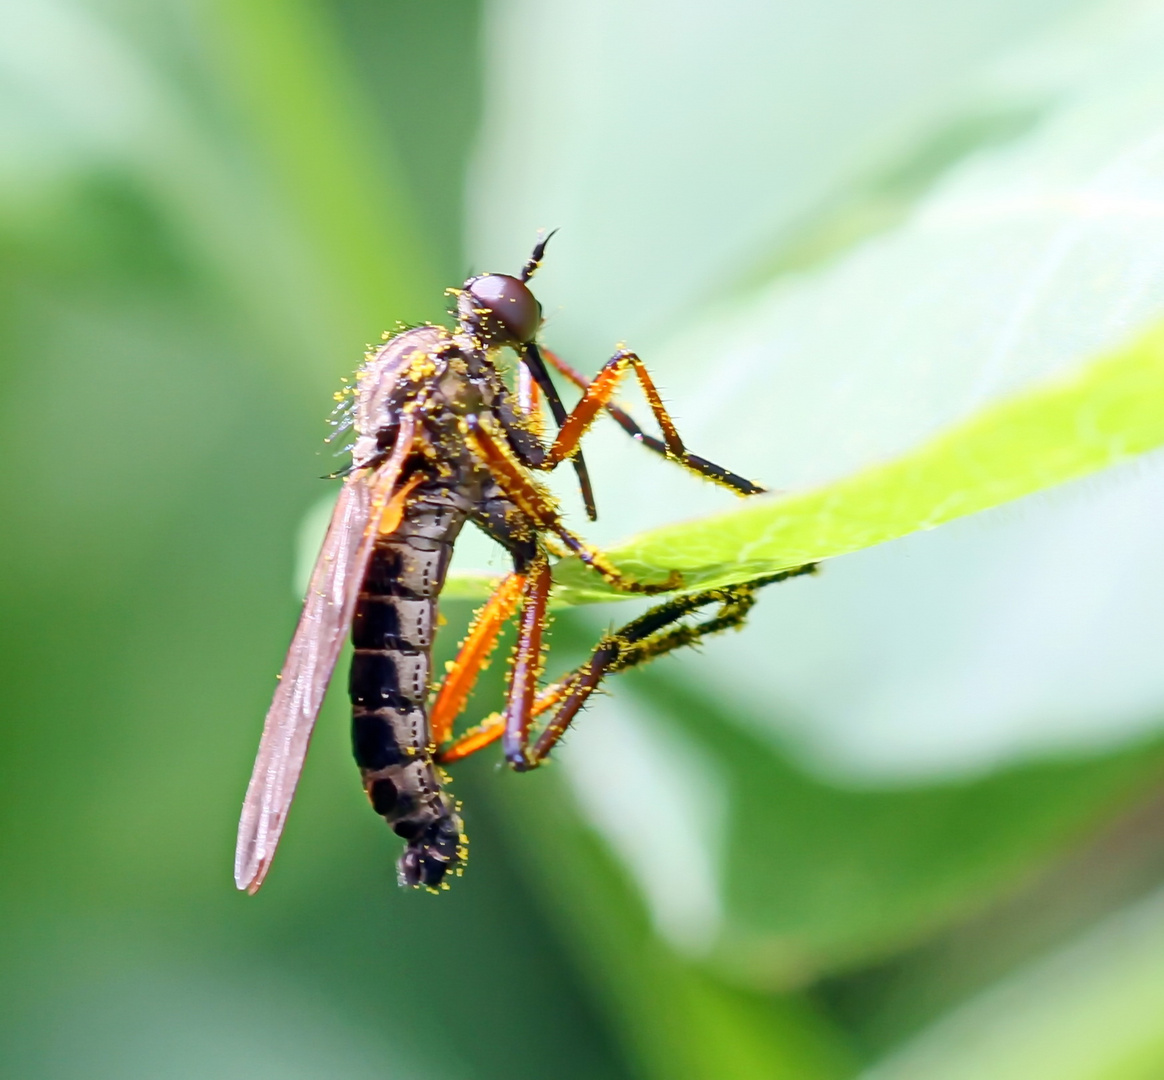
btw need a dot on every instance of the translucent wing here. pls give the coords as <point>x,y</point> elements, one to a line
<point>326,617</point>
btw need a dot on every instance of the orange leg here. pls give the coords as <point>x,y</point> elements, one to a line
<point>520,706</point>
<point>597,396</point>
<point>473,656</point>
<point>527,665</point>
<point>534,588</point>
<point>671,446</point>
<point>493,726</point>
<point>653,634</point>
<point>394,509</point>
<point>528,397</point>
<point>539,507</point>
<point>476,738</point>
<point>529,497</point>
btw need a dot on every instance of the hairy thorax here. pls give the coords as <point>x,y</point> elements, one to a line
<point>436,377</point>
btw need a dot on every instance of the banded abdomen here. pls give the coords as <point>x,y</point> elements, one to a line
<point>392,633</point>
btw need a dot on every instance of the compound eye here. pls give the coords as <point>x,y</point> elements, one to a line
<point>511,311</point>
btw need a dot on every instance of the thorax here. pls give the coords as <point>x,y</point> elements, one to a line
<point>438,379</point>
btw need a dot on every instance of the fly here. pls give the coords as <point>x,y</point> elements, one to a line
<point>441,439</point>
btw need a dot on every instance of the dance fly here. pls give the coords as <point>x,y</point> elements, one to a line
<point>442,439</point>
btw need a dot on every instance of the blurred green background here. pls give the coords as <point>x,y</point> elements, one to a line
<point>909,824</point>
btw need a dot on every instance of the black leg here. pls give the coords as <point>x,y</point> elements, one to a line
<point>532,358</point>
<point>674,452</point>
<point>651,635</point>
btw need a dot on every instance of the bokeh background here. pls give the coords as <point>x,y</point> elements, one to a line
<point>909,824</point>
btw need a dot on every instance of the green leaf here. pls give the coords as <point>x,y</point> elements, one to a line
<point>810,877</point>
<point>1109,411</point>
<point>959,320</point>
<point>1017,249</point>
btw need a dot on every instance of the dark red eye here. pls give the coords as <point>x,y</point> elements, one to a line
<point>511,313</point>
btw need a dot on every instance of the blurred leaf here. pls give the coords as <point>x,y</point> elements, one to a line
<point>419,67</point>
<point>678,1021</point>
<point>812,877</point>
<point>145,593</point>
<point>309,118</point>
<point>1093,1010</point>
<point>674,143</point>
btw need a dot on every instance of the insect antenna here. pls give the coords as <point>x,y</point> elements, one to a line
<point>535,260</point>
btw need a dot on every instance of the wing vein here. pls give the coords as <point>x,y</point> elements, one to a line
<point>323,625</point>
